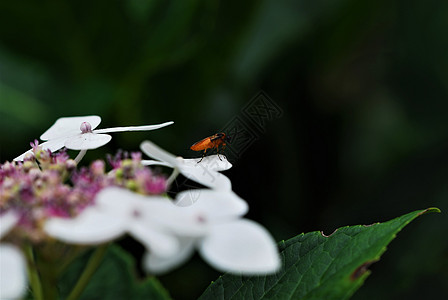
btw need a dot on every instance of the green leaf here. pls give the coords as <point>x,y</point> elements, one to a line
<point>114,279</point>
<point>316,266</point>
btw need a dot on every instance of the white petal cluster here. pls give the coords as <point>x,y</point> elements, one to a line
<point>79,133</point>
<point>210,220</point>
<point>117,211</point>
<point>214,226</point>
<point>106,221</point>
<point>207,220</point>
<point>12,263</point>
<point>205,173</point>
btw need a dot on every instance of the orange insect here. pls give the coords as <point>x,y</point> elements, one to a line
<point>211,142</point>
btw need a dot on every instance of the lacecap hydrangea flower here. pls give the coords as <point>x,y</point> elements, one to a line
<point>47,185</point>
<point>205,219</point>
<point>79,133</point>
<point>47,199</point>
<point>50,187</point>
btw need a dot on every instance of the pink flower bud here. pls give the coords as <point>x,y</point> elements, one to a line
<point>97,167</point>
<point>70,165</point>
<point>86,127</point>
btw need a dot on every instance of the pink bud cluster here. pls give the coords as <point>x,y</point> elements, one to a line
<point>49,185</point>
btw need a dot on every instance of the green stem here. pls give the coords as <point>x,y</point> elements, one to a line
<point>33,274</point>
<point>68,259</point>
<point>172,177</point>
<point>80,155</point>
<point>49,281</point>
<point>91,267</point>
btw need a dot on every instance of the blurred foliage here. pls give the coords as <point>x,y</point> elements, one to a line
<point>363,86</point>
<point>118,267</point>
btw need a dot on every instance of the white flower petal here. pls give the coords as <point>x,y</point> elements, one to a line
<point>167,217</point>
<point>195,220</point>
<point>120,199</point>
<point>116,199</point>
<point>206,177</point>
<point>154,151</point>
<point>12,272</point>
<point>53,145</point>
<point>217,204</point>
<point>185,224</point>
<point>204,174</point>
<point>187,198</point>
<point>155,163</point>
<point>22,156</point>
<point>7,221</point>
<point>159,265</point>
<point>133,128</point>
<point>141,213</point>
<point>115,212</point>
<point>85,141</point>
<point>155,240</point>
<point>64,127</point>
<point>211,162</point>
<point>241,246</point>
<point>90,227</point>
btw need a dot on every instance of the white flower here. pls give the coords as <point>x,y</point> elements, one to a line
<point>213,226</point>
<point>205,172</point>
<point>117,211</point>
<point>7,221</point>
<point>78,133</point>
<point>12,262</point>
<point>239,246</point>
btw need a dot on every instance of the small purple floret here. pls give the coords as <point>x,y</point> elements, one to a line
<point>50,185</point>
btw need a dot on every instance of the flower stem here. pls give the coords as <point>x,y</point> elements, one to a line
<point>91,267</point>
<point>33,274</point>
<point>49,281</point>
<point>80,155</point>
<point>173,176</point>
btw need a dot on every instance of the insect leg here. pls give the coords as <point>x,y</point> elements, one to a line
<point>217,152</point>
<point>203,154</point>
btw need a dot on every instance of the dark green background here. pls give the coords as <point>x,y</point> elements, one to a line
<point>363,86</point>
